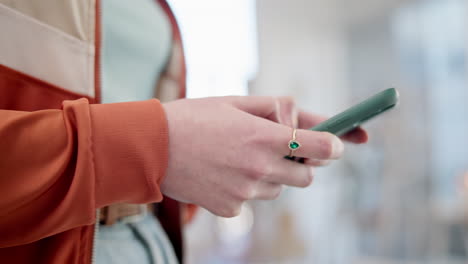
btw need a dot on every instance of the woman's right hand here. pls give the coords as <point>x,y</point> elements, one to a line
<point>224,151</point>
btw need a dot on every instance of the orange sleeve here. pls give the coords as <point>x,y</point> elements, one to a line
<point>58,166</point>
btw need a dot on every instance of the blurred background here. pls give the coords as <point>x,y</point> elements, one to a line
<point>402,198</point>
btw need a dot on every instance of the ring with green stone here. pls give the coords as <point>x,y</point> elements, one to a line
<point>293,144</point>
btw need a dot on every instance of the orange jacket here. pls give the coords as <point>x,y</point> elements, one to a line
<point>62,154</point>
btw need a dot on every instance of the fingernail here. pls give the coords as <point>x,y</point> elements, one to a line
<point>338,148</point>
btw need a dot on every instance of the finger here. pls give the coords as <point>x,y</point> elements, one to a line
<point>357,136</point>
<point>267,190</point>
<point>261,106</point>
<point>287,112</point>
<point>313,144</point>
<point>227,209</point>
<point>317,163</point>
<point>277,109</point>
<point>290,173</point>
<point>309,120</point>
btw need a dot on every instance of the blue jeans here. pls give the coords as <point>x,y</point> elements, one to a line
<point>143,242</point>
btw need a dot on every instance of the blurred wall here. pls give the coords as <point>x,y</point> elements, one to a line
<point>301,52</point>
<point>382,199</point>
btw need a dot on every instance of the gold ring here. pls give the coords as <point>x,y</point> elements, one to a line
<point>293,144</point>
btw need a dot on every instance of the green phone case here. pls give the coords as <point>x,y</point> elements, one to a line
<point>360,113</point>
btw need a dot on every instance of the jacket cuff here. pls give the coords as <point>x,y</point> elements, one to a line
<point>130,148</point>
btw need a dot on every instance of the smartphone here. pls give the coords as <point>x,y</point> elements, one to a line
<point>355,116</point>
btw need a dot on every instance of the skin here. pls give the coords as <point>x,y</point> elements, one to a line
<point>224,151</point>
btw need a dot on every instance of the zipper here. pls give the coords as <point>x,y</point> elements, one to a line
<point>95,237</point>
<point>97,96</point>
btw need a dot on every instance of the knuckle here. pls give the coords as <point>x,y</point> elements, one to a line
<point>310,177</point>
<point>312,172</point>
<point>229,207</point>
<point>230,211</point>
<point>306,182</point>
<point>318,163</point>
<point>325,146</point>
<point>244,193</point>
<point>290,100</point>
<point>325,162</point>
<point>218,211</point>
<point>277,192</point>
<point>287,102</point>
<point>307,179</point>
<point>259,170</point>
<point>257,139</point>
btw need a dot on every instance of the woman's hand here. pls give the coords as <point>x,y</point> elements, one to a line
<point>224,151</point>
<point>287,114</point>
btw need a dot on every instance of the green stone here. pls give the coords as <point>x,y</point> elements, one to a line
<point>294,145</point>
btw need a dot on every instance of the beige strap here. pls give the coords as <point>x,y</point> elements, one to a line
<point>116,212</point>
